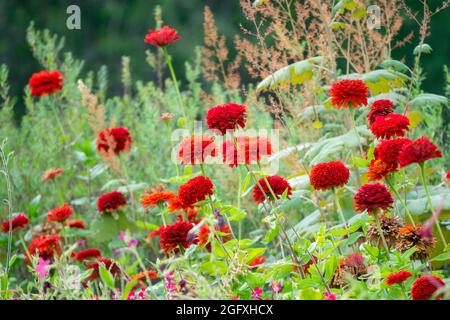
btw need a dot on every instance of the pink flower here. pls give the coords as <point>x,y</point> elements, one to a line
<point>329,296</point>
<point>276,286</point>
<point>256,293</point>
<point>41,268</point>
<point>133,243</point>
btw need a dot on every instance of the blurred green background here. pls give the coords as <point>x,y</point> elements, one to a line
<point>113,28</point>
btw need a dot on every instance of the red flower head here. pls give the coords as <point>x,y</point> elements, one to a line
<point>377,170</point>
<point>110,202</point>
<point>196,148</point>
<point>87,254</point>
<point>354,260</point>
<point>278,186</point>
<point>371,197</point>
<point>390,126</point>
<point>114,140</point>
<point>154,233</point>
<point>349,94</point>
<point>175,204</point>
<point>76,224</point>
<point>45,83</point>
<point>162,37</point>
<point>145,275</point>
<point>424,287</point>
<point>226,117</point>
<point>205,231</point>
<point>60,214</point>
<point>379,108</point>
<point>398,277</point>
<point>156,198</point>
<point>329,174</point>
<point>388,150</point>
<point>19,221</point>
<point>44,246</point>
<point>195,190</point>
<point>418,151</point>
<point>257,261</point>
<point>51,173</point>
<point>175,235</point>
<point>109,265</point>
<point>249,150</point>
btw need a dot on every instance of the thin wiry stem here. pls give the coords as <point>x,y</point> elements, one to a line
<point>9,201</point>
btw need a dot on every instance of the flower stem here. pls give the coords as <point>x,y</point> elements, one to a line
<point>380,231</point>
<point>425,186</point>
<point>338,207</point>
<point>352,119</point>
<point>392,187</point>
<point>174,78</point>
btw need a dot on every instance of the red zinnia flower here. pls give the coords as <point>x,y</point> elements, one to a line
<point>51,173</point>
<point>60,214</point>
<point>19,221</point>
<point>156,198</point>
<point>379,108</point>
<point>88,253</point>
<point>277,185</point>
<point>45,83</point>
<point>196,148</point>
<point>249,150</point>
<point>175,204</point>
<point>418,151</point>
<point>110,265</point>
<point>377,170</point>
<point>424,287</point>
<point>44,246</point>
<point>76,224</point>
<point>162,37</point>
<point>226,117</point>
<point>111,201</point>
<point>257,261</point>
<point>398,277</point>
<point>195,190</point>
<point>349,93</point>
<point>388,150</point>
<point>175,235</point>
<point>205,231</point>
<point>390,126</point>
<point>115,140</point>
<point>371,197</point>
<point>329,174</point>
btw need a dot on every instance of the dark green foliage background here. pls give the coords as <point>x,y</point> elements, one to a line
<point>113,28</point>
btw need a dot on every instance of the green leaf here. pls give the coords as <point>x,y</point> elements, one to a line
<point>130,285</point>
<point>428,99</point>
<point>292,74</point>
<point>383,81</point>
<point>106,276</point>
<point>394,64</point>
<point>252,253</point>
<point>422,48</point>
<point>442,257</point>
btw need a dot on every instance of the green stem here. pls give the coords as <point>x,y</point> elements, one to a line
<point>339,209</point>
<point>352,119</point>
<point>392,187</point>
<point>380,231</point>
<point>174,78</point>
<point>422,175</point>
<point>10,203</point>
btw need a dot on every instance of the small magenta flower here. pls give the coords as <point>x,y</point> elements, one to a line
<point>256,293</point>
<point>329,296</point>
<point>123,236</point>
<point>41,268</point>
<point>276,286</point>
<point>132,243</point>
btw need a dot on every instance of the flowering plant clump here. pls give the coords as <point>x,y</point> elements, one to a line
<point>327,178</point>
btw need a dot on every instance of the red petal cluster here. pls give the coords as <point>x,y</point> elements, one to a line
<point>354,260</point>
<point>76,224</point>
<point>19,221</point>
<point>51,173</point>
<point>195,190</point>
<point>349,93</point>
<point>257,261</point>
<point>44,246</point>
<point>418,151</point>
<point>110,202</point>
<point>278,186</point>
<point>248,151</point>
<point>110,265</point>
<point>196,148</point>
<point>88,253</point>
<point>393,125</point>
<point>424,287</point>
<point>226,117</point>
<point>162,37</point>
<point>45,83</point>
<point>175,235</point>
<point>60,214</point>
<point>371,197</point>
<point>388,151</point>
<point>329,174</point>
<point>114,140</point>
<point>398,277</point>
<point>377,170</point>
<point>379,108</point>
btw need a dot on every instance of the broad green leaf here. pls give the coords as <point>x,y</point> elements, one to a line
<point>422,48</point>
<point>106,277</point>
<point>428,99</point>
<point>394,64</point>
<point>383,81</point>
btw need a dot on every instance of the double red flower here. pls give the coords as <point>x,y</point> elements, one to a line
<point>45,83</point>
<point>349,93</point>
<point>19,221</point>
<point>327,175</point>
<point>114,140</point>
<point>161,37</point>
<point>226,117</point>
